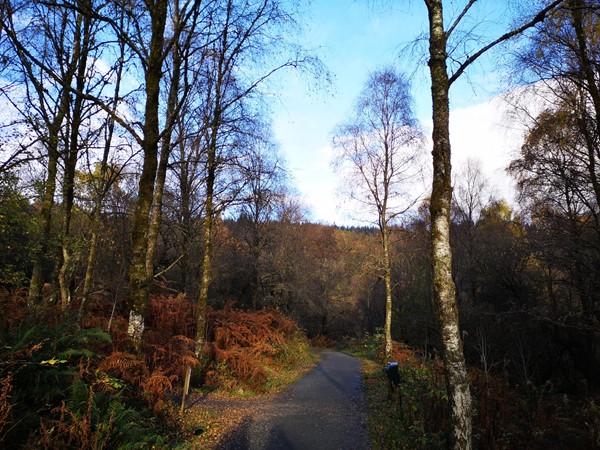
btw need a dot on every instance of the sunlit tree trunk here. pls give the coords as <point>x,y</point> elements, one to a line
<point>445,304</point>
<point>165,153</point>
<point>443,285</point>
<point>387,268</point>
<point>138,279</point>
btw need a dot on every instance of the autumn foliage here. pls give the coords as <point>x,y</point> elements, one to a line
<point>86,387</point>
<point>243,345</point>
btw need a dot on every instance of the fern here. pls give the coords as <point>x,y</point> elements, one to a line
<point>79,399</point>
<point>96,420</point>
<point>44,354</point>
<point>25,338</point>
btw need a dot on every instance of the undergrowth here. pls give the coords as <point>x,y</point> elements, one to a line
<point>253,352</point>
<point>71,383</point>
<point>504,417</point>
<point>54,393</point>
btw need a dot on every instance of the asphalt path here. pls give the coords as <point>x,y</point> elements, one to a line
<point>324,410</point>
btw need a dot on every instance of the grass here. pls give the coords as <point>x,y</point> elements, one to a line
<point>416,423</point>
<point>400,426</point>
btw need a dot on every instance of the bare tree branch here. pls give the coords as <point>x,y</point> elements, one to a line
<point>539,17</point>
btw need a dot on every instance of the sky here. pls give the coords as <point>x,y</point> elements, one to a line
<point>354,38</point>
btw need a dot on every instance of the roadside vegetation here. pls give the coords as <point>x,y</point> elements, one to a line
<point>505,416</point>
<point>70,385</point>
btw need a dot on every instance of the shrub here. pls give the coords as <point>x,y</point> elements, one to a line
<point>242,346</point>
<point>59,390</point>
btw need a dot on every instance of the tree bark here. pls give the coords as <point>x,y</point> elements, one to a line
<point>138,280</point>
<point>165,153</point>
<point>37,277</point>
<point>387,268</point>
<point>443,285</point>
<point>207,243</point>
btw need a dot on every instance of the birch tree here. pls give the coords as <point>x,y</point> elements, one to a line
<point>440,52</point>
<point>249,48</point>
<point>49,51</point>
<point>379,148</point>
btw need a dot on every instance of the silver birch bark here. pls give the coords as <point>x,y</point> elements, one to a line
<point>444,289</point>
<point>138,280</point>
<point>444,298</point>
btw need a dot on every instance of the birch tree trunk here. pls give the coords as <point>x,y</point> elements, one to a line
<point>444,289</point>
<point>387,267</point>
<point>445,306</point>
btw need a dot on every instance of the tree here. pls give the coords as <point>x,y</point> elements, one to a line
<point>107,175</point>
<point>184,43</point>
<point>135,34</point>
<point>247,35</point>
<point>47,100</point>
<point>557,171</point>
<point>380,147</point>
<point>555,185</point>
<point>17,233</point>
<point>155,52</point>
<point>75,141</point>
<point>471,194</point>
<point>441,197</point>
<point>264,191</point>
<point>561,56</point>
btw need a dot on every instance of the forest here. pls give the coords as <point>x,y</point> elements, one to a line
<point>148,221</point>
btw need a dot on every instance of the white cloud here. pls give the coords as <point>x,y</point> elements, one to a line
<point>480,131</point>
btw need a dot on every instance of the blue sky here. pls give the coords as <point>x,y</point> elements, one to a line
<point>354,38</point>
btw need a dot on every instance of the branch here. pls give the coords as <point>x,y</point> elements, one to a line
<point>162,272</point>
<point>539,17</point>
<point>30,58</point>
<point>459,18</point>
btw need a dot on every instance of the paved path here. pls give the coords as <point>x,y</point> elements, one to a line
<point>324,410</point>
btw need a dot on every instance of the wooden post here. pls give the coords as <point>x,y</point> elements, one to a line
<point>186,387</point>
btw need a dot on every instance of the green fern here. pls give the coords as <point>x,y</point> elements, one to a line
<point>113,423</point>
<point>43,356</point>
